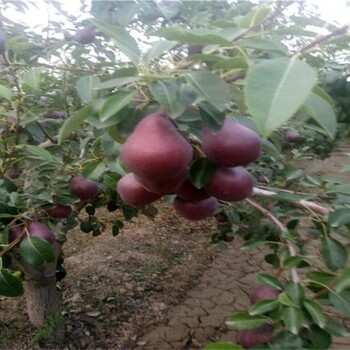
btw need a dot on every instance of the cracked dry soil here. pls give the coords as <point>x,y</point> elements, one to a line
<point>154,286</point>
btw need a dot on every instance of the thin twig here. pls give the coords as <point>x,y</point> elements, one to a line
<point>282,228</point>
<point>316,207</point>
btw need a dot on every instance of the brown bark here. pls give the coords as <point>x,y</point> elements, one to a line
<point>43,298</point>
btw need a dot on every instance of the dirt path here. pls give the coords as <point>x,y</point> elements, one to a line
<point>200,318</point>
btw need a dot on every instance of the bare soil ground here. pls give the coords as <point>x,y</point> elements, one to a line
<point>154,286</point>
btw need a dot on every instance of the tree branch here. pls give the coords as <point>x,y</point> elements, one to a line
<point>282,228</point>
<point>315,207</point>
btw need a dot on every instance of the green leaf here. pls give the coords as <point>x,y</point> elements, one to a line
<point>252,244</point>
<point>333,253</point>
<point>115,83</point>
<point>292,318</point>
<point>198,37</point>
<point>341,301</point>
<point>339,217</point>
<point>211,87</point>
<point>167,94</point>
<point>295,292</point>
<point>269,280</point>
<point>201,172</point>
<point>284,299</point>
<point>336,329</point>
<point>324,278</point>
<point>94,169</point>
<point>322,112</point>
<point>32,78</point>
<point>211,116</point>
<point>254,16</point>
<point>85,87</point>
<point>115,103</point>
<point>10,286</point>
<point>158,49</point>
<point>73,122</point>
<point>36,251</point>
<point>5,93</point>
<point>243,320</point>
<point>124,41</point>
<point>263,306</point>
<point>316,312</point>
<point>222,346</point>
<point>40,153</point>
<point>292,261</point>
<point>231,63</point>
<point>275,90</point>
<point>264,45</point>
<point>343,281</point>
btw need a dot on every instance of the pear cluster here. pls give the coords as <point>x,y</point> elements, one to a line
<point>159,158</point>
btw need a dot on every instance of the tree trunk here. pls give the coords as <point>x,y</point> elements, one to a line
<point>43,300</point>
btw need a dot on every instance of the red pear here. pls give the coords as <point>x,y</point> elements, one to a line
<point>293,136</point>
<point>196,210</point>
<point>252,337</point>
<point>15,231</point>
<point>189,192</point>
<point>231,184</point>
<point>84,189</point>
<point>155,150</point>
<point>37,229</point>
<point>263,293</point>
<point>234,144</point>
<point>165,186</point>
<point>85,35</point>
<point>133,193</point>
<point>60,211</point>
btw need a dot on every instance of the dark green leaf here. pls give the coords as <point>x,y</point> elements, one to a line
<point>167,94</point>
<point>243,320</point>
<point>10,286</point>
<point>341,301</point>
<point>295,291</point>
<point>222,346</point>
<point>317,338</point>
<point>292,261</point>
<point>263,306</point>
<point>115,83</point>
<point>287,341</point>
<point>124,41</point>
<point>211,116</point>
<point>201,172</point>
<point>211,87</point>
<point>292,318</point>
<point>269,280</point>
<point>316,312</point>
<point>73,122</point>
<point>36,251</point>
<point>275,90</point>
<point>264,45</point>
<point>129,212</point>
<point>334,253</point>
